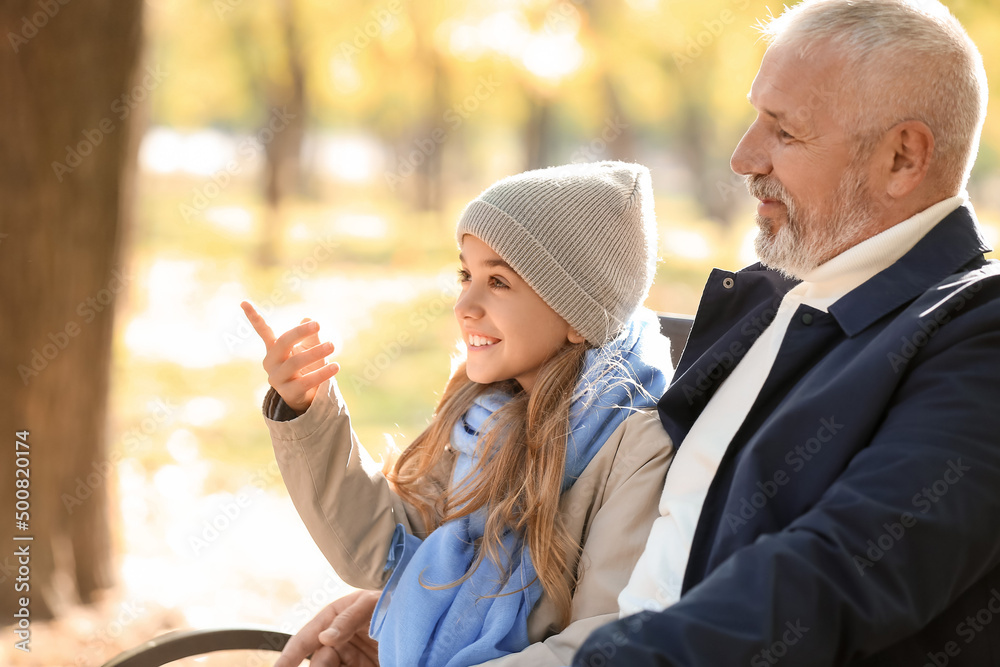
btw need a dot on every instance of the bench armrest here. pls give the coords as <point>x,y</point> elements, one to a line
<point>186,643</point>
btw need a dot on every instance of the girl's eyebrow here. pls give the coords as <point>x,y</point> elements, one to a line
<point>498,262</point>
<point>490,262</point>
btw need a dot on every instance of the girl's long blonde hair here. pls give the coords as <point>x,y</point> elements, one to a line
<point>519,475</point>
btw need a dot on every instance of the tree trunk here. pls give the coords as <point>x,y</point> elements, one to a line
<point>537,133</point>
<point>617,131</point>
<point>712,179</point>
<point>428,183</point>
<point>284,151</point>
<point>71,90</point>
<point>430,186</point>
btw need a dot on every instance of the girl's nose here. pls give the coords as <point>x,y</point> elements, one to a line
<point>468,304</point>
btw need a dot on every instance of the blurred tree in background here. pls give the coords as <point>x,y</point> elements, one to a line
<point>440,85</point>
<point>70,86</point>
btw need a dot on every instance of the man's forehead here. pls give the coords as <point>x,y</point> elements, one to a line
<point>770,97</point>
<point>790,88</point>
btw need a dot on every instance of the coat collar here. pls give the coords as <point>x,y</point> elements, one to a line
<point>736,307</point>
<point>946,248</point>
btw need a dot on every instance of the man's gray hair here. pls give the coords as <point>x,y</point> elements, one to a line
<point>904,60</point>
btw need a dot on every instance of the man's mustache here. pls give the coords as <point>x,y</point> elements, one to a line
<point>763,187</point>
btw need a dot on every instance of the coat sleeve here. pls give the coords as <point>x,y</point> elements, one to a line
<point>337,488</point>
<point>625,510</point>
<point>910,524</point>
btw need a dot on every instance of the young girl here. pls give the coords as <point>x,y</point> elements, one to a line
<point>510,525</point>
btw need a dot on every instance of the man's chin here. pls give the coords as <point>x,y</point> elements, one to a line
<point>784,261</point>
<point>791,272</point>
<point>767,226</point>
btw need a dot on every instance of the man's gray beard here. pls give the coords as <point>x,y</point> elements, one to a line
<point>804,242</point>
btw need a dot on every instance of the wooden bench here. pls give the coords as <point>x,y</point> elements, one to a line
<point>188,643</point>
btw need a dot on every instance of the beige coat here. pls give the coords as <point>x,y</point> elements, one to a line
<point>351,512</point>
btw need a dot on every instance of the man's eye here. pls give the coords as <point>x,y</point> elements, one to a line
<point>784,135</point>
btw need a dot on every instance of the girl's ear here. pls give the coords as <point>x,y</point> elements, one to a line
<point>574,337</point>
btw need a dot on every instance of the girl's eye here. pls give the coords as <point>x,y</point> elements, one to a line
<point>496,283</point>
<point>463,276</point>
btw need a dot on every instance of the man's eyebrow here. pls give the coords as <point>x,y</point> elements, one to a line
<point>777,115</point>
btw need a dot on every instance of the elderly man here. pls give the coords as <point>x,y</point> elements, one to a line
<point>835,496</point>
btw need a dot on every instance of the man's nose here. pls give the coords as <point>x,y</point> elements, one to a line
<point>751,156</point>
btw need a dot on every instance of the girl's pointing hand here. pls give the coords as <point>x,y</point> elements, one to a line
<point>295,362</point>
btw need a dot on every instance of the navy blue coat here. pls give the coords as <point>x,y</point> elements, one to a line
<point>855,517</point>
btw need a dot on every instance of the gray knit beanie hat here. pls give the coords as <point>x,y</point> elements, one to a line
<point>583,236</point>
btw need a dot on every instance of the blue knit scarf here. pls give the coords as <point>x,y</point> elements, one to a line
<point>486,616</point>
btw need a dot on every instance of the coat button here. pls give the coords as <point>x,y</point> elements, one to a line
<point>728,283</point>
<point>807,319</point>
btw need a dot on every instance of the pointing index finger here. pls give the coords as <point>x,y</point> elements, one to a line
<point>258,323</point>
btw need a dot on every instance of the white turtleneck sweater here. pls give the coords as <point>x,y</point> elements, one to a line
<point>656,580</point>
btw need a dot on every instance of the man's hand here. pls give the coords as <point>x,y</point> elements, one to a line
<point>337,636</point>
<point>296,361</point>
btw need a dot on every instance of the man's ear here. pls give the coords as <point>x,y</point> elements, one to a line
<point>574,337</point>
<point>912,146</point>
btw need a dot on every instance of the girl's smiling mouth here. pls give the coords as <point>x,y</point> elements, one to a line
<point>480,341</point>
